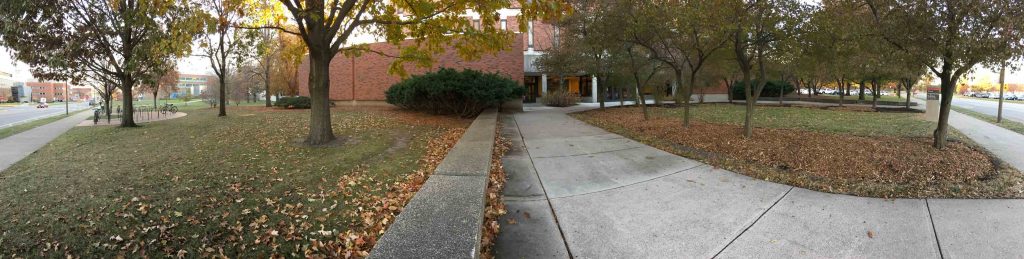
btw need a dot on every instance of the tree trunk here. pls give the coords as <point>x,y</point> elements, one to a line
<point>266,87</point>
<point>320,131</point>
<point>222,101</point>
<point>602,89</point>
<point>748,127</point>
<point>841,86</point>
<point>860,96</point>
<point>686,98</point>
<point>106,101</point>
<point>909,85</point>
<point>874,93</point>
<point>127,117</point>
<point>948,86</point>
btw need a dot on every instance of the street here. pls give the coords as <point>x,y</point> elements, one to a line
<point>1011,111</point>
<point>26,112</point>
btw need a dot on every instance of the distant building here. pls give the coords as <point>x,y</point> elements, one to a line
<point>191,84</point>
<point>20,92</point>
<point>81,93</point>
<point>6,85</point>
<point>52,92</point>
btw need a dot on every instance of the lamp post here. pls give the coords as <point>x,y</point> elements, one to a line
<point>1002,80</point>
<point>66,109</point>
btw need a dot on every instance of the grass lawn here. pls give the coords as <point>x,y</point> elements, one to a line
<point>864,153</point>
<point>1015,126</point>
<point>9,131</point>
<point>203,185</point>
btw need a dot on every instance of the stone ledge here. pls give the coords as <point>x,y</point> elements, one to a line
<point>444,219</point>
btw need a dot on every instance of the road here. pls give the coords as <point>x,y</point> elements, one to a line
<point>1011,111</point>
<point>27,112</point>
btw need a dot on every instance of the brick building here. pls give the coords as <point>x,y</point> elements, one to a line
<point>366,77</point>
<point>81,94</point>
<point>52,92</point>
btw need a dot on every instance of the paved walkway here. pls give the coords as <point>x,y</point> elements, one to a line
<point>578,191</point>
<point>1004,143</point>
<point>18,146</point>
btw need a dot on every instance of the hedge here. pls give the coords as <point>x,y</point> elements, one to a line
<point>297,102</point>
<point>771,89</point>
<point>464,93</point>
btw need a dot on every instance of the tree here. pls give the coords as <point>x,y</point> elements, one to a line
<point>287,58</point>
<point>950,37</point>
<point>588,31</point>
<point>755,37</point>
<point>325,27</point>
<point>167,83</point>
<point>684,35</point>
<point>223,42</point>
<point>121,42</point>
<point>641,67</point>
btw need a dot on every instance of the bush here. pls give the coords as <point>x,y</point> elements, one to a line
<point>447,91</point>
<point>297,102</point>
<point>560,98</point>
<point>771,89</point>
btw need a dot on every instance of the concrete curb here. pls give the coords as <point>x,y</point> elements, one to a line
<point>444,219</point>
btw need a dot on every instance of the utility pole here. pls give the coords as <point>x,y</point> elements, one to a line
<point>1002,80</point>
<point>66,99</point>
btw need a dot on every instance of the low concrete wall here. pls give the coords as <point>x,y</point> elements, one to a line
<point>445,217</point>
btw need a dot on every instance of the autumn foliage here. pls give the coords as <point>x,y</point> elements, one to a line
<point>864,165</point>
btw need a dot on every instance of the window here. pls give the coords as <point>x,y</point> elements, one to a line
<point>476,24</point>
<point>504,24</point>
<point>529,43</point>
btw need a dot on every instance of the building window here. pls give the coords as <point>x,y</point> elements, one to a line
<point>529,43</point>
<point>476,24</point>
<point>504,24</point>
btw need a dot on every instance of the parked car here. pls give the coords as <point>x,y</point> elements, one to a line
<point>43,105</point>
<point>981,95</point>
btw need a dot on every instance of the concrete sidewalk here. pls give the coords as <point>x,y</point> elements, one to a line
<point>1004,143</point>
<point>577,191</point>
<point>19,146</point>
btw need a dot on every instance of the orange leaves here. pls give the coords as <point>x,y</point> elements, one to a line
<point>876,165</point>
<point>495,205</point>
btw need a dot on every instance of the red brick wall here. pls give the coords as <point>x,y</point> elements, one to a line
<point>371,76</point>
<point>51,91</point>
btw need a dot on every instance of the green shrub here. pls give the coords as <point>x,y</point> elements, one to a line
<point>297,102</point>
<point>771,89</point>
<point>465,93</point>
<point>560,98</point>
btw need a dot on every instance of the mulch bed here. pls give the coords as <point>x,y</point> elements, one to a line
<point>875,166</point>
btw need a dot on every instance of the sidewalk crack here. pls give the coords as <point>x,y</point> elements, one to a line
<point>554,215</point>
<point>752,223</point>
<point>934,232</point>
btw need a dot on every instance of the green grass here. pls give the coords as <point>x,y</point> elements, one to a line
<point>204,181</point>
<point>1014,126</point>
<point>815,119</point>
<point>9,131</point>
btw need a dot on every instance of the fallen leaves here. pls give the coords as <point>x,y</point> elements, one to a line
<point>225,186</point>
<point>495,205</point>
<point>865,165</point>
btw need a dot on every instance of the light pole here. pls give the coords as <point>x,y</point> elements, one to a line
<point>66,109</point>
<point>1002,80</point>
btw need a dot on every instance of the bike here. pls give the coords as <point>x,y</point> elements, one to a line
<point>168,108</point>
